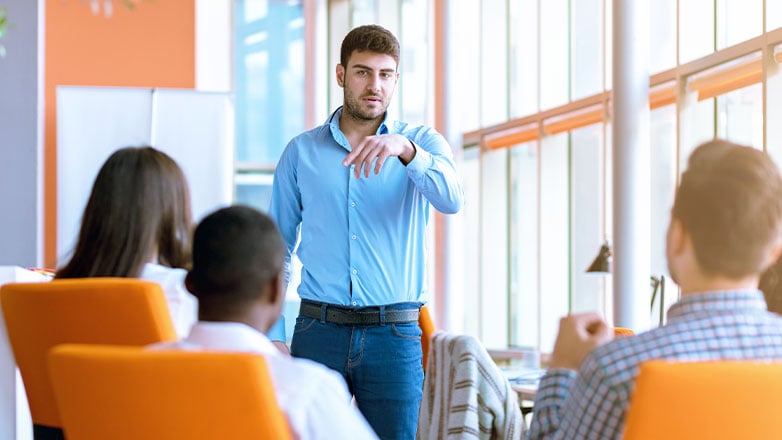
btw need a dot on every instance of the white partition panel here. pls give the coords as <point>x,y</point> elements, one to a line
<point>92,122</point>
<point>195,128</point>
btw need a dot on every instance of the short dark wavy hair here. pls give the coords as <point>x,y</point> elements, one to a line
<point>371,38</point>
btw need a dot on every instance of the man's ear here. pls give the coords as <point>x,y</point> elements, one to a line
<point>677,237</point>
<point>776,251</point>
<point>340,75</point>
<point>275,290</point>
<point>189,284</point>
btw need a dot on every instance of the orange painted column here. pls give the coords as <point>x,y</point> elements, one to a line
<point>150,46</point>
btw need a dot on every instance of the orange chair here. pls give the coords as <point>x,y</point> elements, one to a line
<point>39,316</point>
<point>710,400</point>
<point>427,330</point>
<point>123,393</point>
<point>622,332</point>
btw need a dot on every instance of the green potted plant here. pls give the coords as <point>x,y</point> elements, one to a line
<point>3,28</point>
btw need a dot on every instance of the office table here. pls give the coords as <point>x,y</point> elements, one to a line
<point>524,381</point>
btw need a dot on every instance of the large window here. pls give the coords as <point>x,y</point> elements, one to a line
<point>538,206</point>
<point>714,72</point>
<point>269,91</point>
<point>269,47</point>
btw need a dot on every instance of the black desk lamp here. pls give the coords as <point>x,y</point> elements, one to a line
<point>602,264</point>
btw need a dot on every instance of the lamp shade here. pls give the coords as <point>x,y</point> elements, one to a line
<point>601,263</point>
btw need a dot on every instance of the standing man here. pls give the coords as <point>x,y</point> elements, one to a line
<point>359,189</point>
<point>725,229</point>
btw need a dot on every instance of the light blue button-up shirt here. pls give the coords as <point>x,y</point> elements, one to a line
<point>363,240</point>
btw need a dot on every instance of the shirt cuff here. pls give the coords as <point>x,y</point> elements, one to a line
<point>421,162</point>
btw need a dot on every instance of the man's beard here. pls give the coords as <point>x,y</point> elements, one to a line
<point>352,107</point>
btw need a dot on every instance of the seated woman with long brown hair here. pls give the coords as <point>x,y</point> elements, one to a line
<point>138,224</point>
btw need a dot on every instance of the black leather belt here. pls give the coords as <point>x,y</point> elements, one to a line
<point>362,316</point>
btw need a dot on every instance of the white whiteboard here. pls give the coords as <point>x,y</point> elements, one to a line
<point>194,128</point>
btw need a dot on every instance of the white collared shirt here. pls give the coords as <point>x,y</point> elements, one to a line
<point>182,305</point>
<point>314,398</point>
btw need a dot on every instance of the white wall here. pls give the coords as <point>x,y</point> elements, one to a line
<point>213,43</point>
<point>21,141</point>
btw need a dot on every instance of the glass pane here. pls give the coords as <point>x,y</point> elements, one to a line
<point>773,14</point>
<point>524,244</point>
<point>494,249</point>
<point>554,65</point>
<point>254,190</point>
<point>774,113</point>
<point>269,42</point>
<point>740,116</point>
<point>338,26</point>
<point>470,169</point>
<point>608,44</point>
<point>554,267</point>
<point>416,66</point>
<point>662,124</point>
<point>696,29</point>
<point>662,28</point>
<point>363,12</point>
<point>587,39</point>
<point>464,36</point>
<point>494,62</point>
<point>524,58</point>
<point>697,125</point>
<point>738,20</point>
<point>587,217</point>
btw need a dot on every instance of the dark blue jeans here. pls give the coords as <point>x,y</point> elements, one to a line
<point>380,363</point>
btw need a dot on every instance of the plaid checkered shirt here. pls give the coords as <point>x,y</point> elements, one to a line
<point>592,403</point>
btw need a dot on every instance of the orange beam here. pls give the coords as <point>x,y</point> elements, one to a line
<point>662,97</point>
<point>575,121</point>
<point>511,139</point>
<point>727,79</point>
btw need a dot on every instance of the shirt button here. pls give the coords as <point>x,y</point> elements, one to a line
<point>355,303</point>
<point>354,237</point>
<point>352,203</point>
<point>354,271</point>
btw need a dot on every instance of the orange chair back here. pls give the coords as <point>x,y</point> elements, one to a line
<point>39,316</point>
<point>709,400</point>
<point>427,330</point>
<point>621,332</point>
<point>125,393</point>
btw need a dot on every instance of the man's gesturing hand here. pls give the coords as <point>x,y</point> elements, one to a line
<point>380,147</point>
<point>578,335</point>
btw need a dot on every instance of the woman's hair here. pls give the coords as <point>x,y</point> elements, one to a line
<point>139,207</point>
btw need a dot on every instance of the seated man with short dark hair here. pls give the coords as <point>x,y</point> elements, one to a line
<point>237,261</point>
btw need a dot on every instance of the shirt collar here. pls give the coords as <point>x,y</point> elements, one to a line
<point>732,301</point>
<point>333,122</point>
<point>230,336</point>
